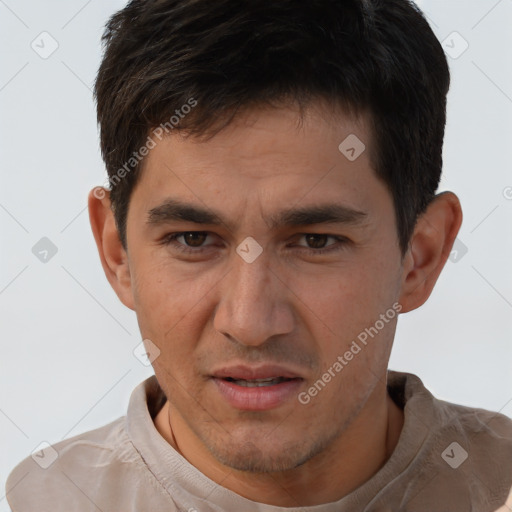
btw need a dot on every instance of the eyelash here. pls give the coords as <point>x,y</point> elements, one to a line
<point>170,239</point>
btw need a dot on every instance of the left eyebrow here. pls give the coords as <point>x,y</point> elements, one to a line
<point>173,210</point>
<point>321,214</point>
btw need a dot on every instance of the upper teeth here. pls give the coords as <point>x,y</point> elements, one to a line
<point>258,382</point>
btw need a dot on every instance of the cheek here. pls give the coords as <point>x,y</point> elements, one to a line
<point>162,292</point>
<point>172,306</point>
<point>167,305</point>
<point>353,293</point>
<point>339,304</point>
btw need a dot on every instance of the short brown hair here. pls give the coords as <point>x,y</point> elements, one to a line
<point>226,55</point>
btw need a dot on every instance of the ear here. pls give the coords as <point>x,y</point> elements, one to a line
<point>430,246</point>
<point>113,256</point>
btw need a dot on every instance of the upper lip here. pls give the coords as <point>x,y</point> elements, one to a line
<point>243,372</point>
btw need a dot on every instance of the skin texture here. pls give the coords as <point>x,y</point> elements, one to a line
<point>290,306</point>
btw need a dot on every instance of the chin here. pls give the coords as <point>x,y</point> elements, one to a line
<point>261,457</point>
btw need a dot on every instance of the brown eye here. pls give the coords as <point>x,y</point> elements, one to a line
<point>190,242</point>
<point>194,238</point>
<point>316,241</point>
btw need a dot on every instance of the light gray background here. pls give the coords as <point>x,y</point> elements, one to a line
<point>66,341</point>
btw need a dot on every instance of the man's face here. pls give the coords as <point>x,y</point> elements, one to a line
<point>225,316</point>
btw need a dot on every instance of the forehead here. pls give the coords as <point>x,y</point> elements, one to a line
<point>265,159</point>
<point>282,134</point>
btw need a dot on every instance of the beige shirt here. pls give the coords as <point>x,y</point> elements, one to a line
<point>449,458</point>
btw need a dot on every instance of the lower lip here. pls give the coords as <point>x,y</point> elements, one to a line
<point>257,398</point>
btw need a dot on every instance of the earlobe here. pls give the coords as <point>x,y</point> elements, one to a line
<point>430,246</point>
<point>113,256</point>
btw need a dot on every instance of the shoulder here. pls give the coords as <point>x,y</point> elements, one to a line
<point>475,448</point>
<point>477,423</point>
<point>465,449</point>
<point>487,433</point>
<point>76,473</point>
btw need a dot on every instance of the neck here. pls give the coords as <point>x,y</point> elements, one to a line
<point>352,459</point>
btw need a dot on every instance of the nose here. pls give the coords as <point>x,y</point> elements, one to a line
<point>254,303</point>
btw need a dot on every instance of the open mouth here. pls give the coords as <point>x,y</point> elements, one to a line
<point>257,394</point>
<point>257,383</point>
<point>257,388</point>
